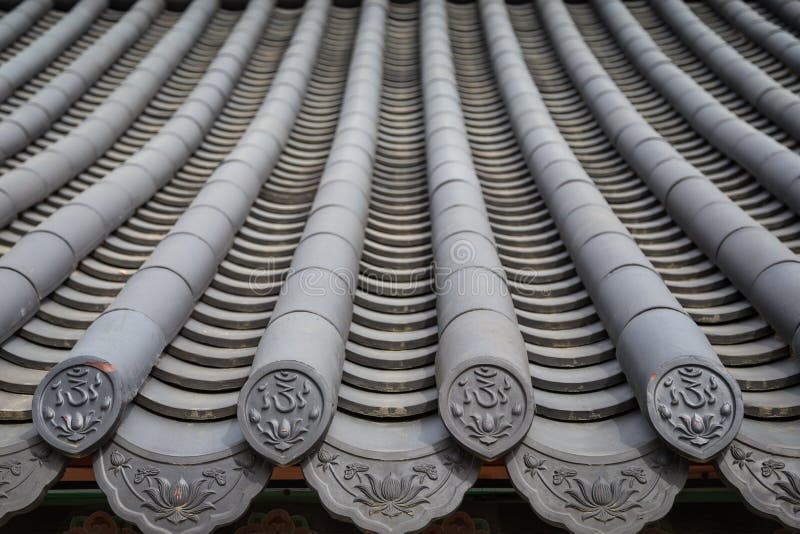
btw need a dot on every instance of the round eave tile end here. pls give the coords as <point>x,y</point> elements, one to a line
<point>284,411</point>
<point>487,409</point>
<point>696,409</point>
<point>77,407</point>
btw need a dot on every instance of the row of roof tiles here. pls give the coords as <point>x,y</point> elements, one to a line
<point>390,241</point>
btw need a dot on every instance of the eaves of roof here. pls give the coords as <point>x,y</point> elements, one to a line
<point>390,241</point>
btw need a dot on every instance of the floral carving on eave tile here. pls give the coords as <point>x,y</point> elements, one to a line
<point>771,474</point>
<point>392,494</point>
<point>598,497</point>
<point>174,498</point>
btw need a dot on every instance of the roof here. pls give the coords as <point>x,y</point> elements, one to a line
<point>391,241</point>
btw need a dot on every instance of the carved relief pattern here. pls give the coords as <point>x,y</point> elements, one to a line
<point>695,403</point>
<point>398,496</point>
<point>75,401</point>
<point>769,483</point>
<point>180,498</point>
<point>615,498</point>
<point>282,407</point>
<point>25,477</point>
<point>488,402</point>
<point>15,471</point>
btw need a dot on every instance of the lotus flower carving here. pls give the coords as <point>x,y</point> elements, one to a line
<point>588,496</point>
<point>395,494</point>
<point>391,496</point>
<point>326,459</point>
<point>698,430</point>
<point>695,405</point>
<point>791,490</point>
<point>603,501</point>
<point>180,502</point>
<point>179,493</point>
<point>119,462</point>
<point>486,401</point>
<point>73,426</point>
<point>782,484</point>
<point>533,464</point>
<point>741,457</point>
<point>488,428</point>
<point>75,403</point>
<point>282,410</point>
<point>282,434</point>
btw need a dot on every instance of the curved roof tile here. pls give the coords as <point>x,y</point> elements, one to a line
<point>595,197</point>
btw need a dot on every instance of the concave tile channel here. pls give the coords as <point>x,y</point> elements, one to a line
<point>145,126</point>
<point>581,394</point>
<point>21,95</point>
<point>46,339</point>
<point>389,460</point>
<point>193,387</point>
<point>392,343</point>
<point>563,334</point>
<point>20,19</point>
<point>688,61</point>
<point>741,338</point>
<point>199,375</point>
<point>729,23</point>
<point>51,52</point>
<point>386,430</point>
<point>755,357</point>
<point>36,30</point>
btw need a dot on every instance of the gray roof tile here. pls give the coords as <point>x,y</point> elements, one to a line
<point>348,237</point>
